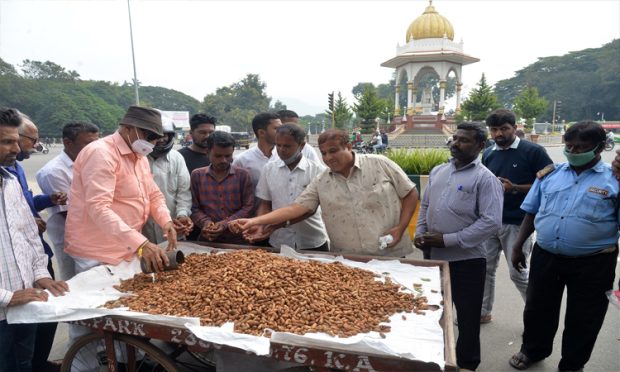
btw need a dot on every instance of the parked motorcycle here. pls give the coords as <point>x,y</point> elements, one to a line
<point>610,141</point>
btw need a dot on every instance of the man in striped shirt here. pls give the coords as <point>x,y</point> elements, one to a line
<point>23,264</point>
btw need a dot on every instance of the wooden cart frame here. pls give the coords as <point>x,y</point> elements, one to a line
<point>137,333</point>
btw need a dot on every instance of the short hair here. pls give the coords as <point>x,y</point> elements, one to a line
<point>294,131</point>
<point>73,129</point>
<point>221,139</point>
<point>334,134</point>
<point>500,117</point>
<point>587,130</point>
<point>201,118</point>
<point>9,117</point>
<point>261,121</point>
<point>481,134</point>
<point>287,114</point>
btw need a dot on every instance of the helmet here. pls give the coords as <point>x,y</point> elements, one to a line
<point>163,149</point>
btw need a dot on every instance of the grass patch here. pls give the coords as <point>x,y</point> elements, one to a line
<point>418,161</point>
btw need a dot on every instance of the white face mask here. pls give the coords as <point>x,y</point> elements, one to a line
<point>141,147</point>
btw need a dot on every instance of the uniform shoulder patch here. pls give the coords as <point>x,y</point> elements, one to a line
<point>545,171</point>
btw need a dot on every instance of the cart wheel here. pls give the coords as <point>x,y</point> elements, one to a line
<point>133,354</point>
<point>207,358</point>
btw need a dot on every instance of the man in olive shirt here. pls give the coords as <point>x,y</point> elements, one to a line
<point>362,198</point>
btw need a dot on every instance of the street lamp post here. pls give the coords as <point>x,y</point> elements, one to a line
<point>133,57</point>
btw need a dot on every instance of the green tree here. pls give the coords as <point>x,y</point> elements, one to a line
<point>359,89</point>
<point>342,112</point>
<point>47,70</point>
<point>586,81</point>
<point>6,68</point>
<point>368,108</point>
<point>480,102</point>
<point>530,105</point>
<point>237,104</point>
<point>278,105</point>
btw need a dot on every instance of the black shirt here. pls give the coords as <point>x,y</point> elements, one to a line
<point>194,159</point>
<point>519,166</point>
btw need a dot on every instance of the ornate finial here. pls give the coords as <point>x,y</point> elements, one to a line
<point>430,2</point>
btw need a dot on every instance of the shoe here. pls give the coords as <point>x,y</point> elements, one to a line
<point>521,361</point>
<point>484,319</point>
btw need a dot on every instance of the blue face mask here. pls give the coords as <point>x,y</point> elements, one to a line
<point>581,159</point>
<point>293,158</point>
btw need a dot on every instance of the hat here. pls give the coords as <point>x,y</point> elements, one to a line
<point>145,118</point>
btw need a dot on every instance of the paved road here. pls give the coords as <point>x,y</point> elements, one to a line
<point>500,338</point>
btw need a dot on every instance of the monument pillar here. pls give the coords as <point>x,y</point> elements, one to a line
<point>442,95</point>
<point>396,100</point>
<point>410,104</point>
<point>459,85</point>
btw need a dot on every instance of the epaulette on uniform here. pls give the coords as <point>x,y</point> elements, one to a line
<point>545,171</point>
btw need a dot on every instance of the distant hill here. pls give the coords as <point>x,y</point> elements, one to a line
<point>587,82</point>
<point>53,96</point>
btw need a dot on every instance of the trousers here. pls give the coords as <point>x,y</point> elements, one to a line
<point>467,284</point>
<point>586,280</point>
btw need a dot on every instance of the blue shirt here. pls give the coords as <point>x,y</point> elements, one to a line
<point>576,215</point>
<point>36,203</point>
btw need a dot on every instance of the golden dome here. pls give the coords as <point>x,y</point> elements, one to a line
<point>430,25</point>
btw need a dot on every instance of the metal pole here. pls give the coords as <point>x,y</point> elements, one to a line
<point>133,57</point>
<point>553,121</point>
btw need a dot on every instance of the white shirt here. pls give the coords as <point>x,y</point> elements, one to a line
<point>172,177</point>
<point>513,145</point>
<point>22,260</point>
<point>254,160</point>
<point>281,186</point>
<point>56,176</point>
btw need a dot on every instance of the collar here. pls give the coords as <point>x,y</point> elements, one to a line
<point>473,163</point>
<point>302,165</point>
<point>5,173</point>
<point>513,145</point>
<point>120,143</point>
<point>599,167</point>
<point>356,164</point>
<point>66,160</point>
<point>210,172</point>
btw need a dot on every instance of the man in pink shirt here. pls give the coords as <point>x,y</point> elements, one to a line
<point>113,194</point>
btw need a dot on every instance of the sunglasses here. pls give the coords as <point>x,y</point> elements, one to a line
<point>150,136</point>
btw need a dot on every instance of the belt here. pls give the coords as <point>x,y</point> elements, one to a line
<point>609,249</point>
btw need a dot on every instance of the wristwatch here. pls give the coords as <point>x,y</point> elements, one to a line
<point>514,190</point>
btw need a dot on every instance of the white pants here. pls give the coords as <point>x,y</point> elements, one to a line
<point>503,241</point>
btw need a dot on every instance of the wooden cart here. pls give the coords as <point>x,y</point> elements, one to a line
<point>138,338</point>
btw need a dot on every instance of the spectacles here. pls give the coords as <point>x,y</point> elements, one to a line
<point>150,136</point>
<point>33,139</point>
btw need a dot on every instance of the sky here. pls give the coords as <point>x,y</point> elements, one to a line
<point>302,50</point>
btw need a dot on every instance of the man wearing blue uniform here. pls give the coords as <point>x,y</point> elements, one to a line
<point>574,209</point>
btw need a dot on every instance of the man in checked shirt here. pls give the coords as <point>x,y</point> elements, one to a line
<point>221,192</point>
<point>23,264</point>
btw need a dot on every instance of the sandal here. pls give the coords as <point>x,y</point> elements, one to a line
<point>520,361</point>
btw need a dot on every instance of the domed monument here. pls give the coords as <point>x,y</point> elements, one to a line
<point>429,48</point>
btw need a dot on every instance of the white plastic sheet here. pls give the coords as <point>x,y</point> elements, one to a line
<point>417,337</point>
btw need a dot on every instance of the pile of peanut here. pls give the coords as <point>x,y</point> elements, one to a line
<point>258,290</point>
